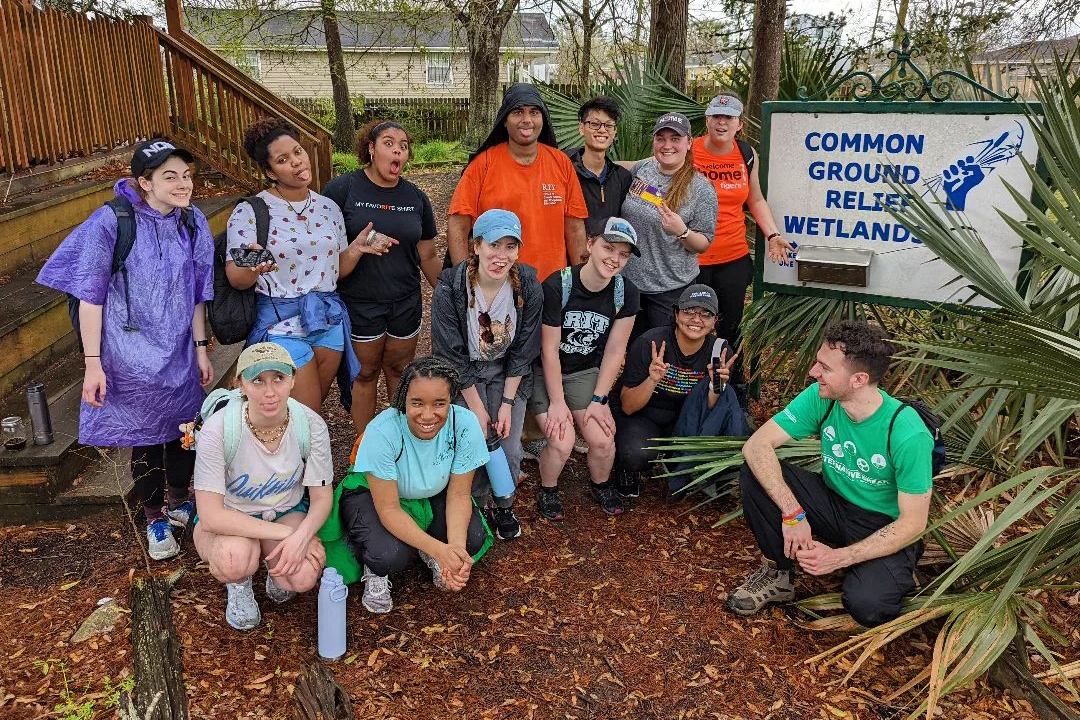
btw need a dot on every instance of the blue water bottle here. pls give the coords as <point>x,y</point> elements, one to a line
<point>498,469</point>
<point>332,594</point>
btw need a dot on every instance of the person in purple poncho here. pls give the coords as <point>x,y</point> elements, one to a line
<point>143,330</point>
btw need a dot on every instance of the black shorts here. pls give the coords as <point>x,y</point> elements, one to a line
<point>372,320</point>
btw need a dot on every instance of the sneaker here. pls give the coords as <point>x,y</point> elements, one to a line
<point>436,571</point>
<point>767,584</point>
<point>506,523</point>
<point>159,538</point>
<point>628,484</point>
<point>275,593</point>
<point>241,610</point>
<point>607,496</point>
<point>581,446</point>
<point>376,597</point>
<point>181,515</point>
<point>549,504</point>
<point>531,450</point>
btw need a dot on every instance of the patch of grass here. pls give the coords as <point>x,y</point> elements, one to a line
<point>439,151</point>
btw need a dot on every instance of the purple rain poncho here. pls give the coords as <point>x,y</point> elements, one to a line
<point>152,379</point>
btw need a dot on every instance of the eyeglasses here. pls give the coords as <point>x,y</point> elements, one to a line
<point>485,322</point>
<point>699,312</point>
<point>594,125</point>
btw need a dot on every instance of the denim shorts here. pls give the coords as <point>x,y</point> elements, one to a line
<point>301,347</point>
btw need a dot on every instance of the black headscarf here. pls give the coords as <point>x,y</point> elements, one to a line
<point>517,95</point>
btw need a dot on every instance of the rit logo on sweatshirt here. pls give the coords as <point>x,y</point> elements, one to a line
<point>550,193</point>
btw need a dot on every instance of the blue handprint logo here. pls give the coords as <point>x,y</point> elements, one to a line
<point>967,173</point>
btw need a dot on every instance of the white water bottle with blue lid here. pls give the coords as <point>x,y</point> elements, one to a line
<point>498,469</point>
<point>332,594</point>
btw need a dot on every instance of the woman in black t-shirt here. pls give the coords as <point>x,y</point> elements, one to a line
<point>383,293</point>
<point>663,367</point>
<point>589,311</point>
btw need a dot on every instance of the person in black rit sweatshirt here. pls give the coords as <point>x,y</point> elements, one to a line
<point>603,183</point>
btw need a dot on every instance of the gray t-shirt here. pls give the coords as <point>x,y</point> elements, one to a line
<point>502,314</point>
<point>664,263</point>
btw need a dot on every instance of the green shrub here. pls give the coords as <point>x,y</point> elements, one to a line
<point>345,162</point>
<point>439,151</point>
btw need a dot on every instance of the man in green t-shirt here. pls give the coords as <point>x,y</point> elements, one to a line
<point>866,510</point>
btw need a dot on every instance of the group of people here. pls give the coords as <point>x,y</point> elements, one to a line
<point>584,294</point>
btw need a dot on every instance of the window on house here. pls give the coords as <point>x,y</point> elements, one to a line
<point>250,64</point>
<point>439,69</point>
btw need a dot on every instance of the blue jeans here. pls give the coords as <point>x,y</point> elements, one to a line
<point>301,347</point>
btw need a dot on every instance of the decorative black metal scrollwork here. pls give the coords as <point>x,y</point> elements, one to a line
<point>904,81</point>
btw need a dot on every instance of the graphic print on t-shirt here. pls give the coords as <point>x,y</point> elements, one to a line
<point>644,191</point>
<point>502,333</point>
<point>584,329</point>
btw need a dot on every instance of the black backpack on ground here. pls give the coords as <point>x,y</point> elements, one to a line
<point>232,311</point>
<point>125,240</point>
<point>938,456</point>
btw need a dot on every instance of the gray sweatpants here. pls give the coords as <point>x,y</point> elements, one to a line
<point>490,388</point>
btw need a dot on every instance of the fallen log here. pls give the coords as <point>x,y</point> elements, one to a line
<point>159,692</point>
<point>319,697</point>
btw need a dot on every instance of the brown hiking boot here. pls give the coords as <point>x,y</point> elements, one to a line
<point>767,584</point>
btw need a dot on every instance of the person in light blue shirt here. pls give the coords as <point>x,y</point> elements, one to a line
<point>409,491</point>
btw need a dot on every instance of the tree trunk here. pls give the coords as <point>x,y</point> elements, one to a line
<point>485,37</point>
<point>901,22</point>
<point>667,38</point>
<point>319,697</point>
<point>344,123</point>
<point>588,27</point>
<point>158,669</point>
<point>766,51</point>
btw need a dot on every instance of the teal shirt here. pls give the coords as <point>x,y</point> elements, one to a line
<point>856,462</point>
<point>421,468</point>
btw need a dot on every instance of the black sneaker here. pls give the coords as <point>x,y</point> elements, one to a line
<point>506,523</point>
<point>607,496</point>
<point>627,484</point>
<point>549,504</point>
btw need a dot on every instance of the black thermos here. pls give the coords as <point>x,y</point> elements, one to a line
<point>38,405</point>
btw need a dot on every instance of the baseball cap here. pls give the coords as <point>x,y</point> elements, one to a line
<point>672,121</point>
<point>701,296</point>
<point>152,153</point>
<point>260,357</point>
<point>618,230</point>
<point>724,105</point>
<point>493,225</point>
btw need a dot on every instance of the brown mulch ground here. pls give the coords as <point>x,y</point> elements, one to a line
<point>591,618</point>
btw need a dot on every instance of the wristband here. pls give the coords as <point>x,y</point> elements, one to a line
<point>791,516</point>
<point>775,234</point>
<point>795,520</point>
<point>602,399</point>
<point>91,356</point>
<point>202,343</point>
<point>507,401</point>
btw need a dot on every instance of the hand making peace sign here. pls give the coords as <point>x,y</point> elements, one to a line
<point>658,368</point>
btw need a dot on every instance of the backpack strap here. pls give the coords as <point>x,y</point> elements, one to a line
<point>125,230</point>
<point>262,217</point>
<point>888,435</point>
<point>620,294</point>
<point>233,427</point>
<point>301,428</point>
<point>828,410</point>
<point>747,151</point>
<point>567,280</point>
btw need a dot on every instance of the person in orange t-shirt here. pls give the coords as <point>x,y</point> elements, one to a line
<point>726,266</point>
<point>519,168</point>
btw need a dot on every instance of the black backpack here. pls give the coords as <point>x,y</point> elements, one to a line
<point>747,152</point>
<point>232,311</point>
<point>125,240</point>
<point>938,456</point>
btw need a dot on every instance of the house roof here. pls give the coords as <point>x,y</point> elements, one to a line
<point>1040,49</point>
<point>304,29</point>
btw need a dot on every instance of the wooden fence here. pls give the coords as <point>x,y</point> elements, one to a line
<point>70,86</point>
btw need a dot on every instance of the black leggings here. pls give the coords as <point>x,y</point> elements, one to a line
<point>729,280</point>
<point>154,466</point>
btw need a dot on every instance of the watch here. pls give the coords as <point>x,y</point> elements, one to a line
<point>684,234</point>
<point>202,343</point>
<point>508,401</point>
<point>602,399</point>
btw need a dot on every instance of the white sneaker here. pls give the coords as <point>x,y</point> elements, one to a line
<point>436,571</point>
<point>241,610</point>
<point>275,593</point>
<point>160,541</point>
<point>376,598</point>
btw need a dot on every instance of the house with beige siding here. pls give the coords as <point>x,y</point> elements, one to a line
<point>387,54</point>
